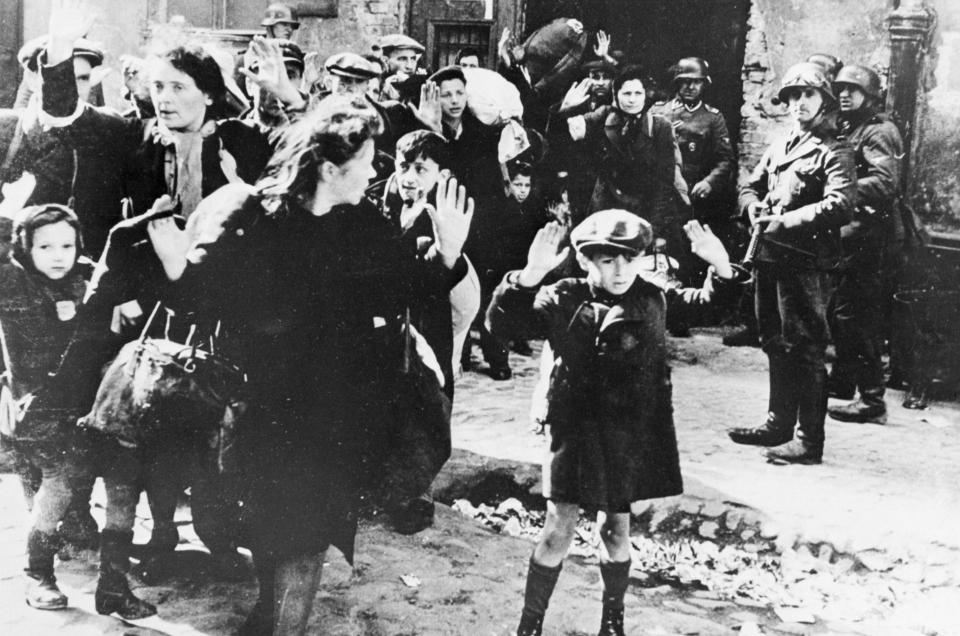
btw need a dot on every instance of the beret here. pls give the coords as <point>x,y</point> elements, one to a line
<point>617,229</point>
<point>399,41</point>
<point>350,65</point>
<point>29,52</point>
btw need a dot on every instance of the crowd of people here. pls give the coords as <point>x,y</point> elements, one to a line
<point>281,264</point>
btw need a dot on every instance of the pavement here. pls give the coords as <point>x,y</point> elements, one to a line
<point>892,488</point>
<point>865,544</point>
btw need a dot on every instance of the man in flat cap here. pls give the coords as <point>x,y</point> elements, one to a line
<point>280,21</point>
<point>404,78</point>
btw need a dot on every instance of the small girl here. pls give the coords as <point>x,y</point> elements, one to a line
<point>40,290</point>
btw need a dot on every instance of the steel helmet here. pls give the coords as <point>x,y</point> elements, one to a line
<point>863,77</point>
<point>692,68</point>
<point>830,63</point>
<point>278,13</point>
<point>806,75</point>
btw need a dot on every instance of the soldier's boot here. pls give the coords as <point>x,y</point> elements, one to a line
<point>812,411</point>
<point>113,593</point>
<point>778,428</point>
<point>536,596</point>
<point>42,591</point>
<point>616,577</point>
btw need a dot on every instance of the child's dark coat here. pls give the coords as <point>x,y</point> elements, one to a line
<point>610,410</point>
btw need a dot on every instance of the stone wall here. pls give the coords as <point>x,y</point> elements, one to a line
<point>935,185</point>
<point>781,33</point>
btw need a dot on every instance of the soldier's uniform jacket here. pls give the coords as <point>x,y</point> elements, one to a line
<point>878,152</point>
<point>704,142</point>
<point>800,170</point>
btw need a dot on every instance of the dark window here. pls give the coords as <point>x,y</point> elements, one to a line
<point>450,37</point>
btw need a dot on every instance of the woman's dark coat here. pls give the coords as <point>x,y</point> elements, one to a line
<point>138,152</point>
<point>309,309</point>
<point>638,161</point>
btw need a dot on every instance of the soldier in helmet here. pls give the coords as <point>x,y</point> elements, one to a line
<point>280,21</point>
<point>702,134</point>
<point>875,230</point>
<point>797,199</point>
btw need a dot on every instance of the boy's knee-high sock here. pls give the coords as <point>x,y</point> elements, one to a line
<point>540,583</point>
<point>616,577</point>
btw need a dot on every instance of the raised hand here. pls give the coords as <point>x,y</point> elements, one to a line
<point>70,20</point>
<point>503,47</point>
<point>705,244</point>
<point>544,254</point>
<point>429,111</point>
<point>602,49</point>
<point>451,219</point>
<point>578,94</point>
<point>271,74</point>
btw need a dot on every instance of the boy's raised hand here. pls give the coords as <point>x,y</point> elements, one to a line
<point>451,219</point>
<point>705,244</point>
<point>271,74</point>
<point>428,111</point>
<point>70,20</point>
<point>543,256</point>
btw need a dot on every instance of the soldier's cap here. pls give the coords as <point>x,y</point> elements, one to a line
<point>292,54</point>
<point>599,65</point>
<point>398,41</point>
<point>278,13</point>
<point>87,49</point>
<point>350,65</point>
<point>617,230</point>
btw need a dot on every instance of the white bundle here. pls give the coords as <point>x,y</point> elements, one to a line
<point>491,98</point>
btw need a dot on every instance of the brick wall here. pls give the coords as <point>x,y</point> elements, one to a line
<point>782,33</point>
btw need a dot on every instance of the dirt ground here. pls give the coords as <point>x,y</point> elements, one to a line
<point>885,501</point>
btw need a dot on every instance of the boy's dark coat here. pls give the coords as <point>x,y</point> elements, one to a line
<point>610,409</point>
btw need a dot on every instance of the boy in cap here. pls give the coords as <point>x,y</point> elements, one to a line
<point>610,410</point>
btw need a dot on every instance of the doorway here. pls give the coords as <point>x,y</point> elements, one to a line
<point>657,33</point>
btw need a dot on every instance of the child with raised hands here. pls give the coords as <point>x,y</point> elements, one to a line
<point>610,399</point>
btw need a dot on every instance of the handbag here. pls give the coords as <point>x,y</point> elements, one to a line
<point>419,439</point>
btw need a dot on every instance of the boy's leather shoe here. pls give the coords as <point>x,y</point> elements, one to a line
<point>795,452</point>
